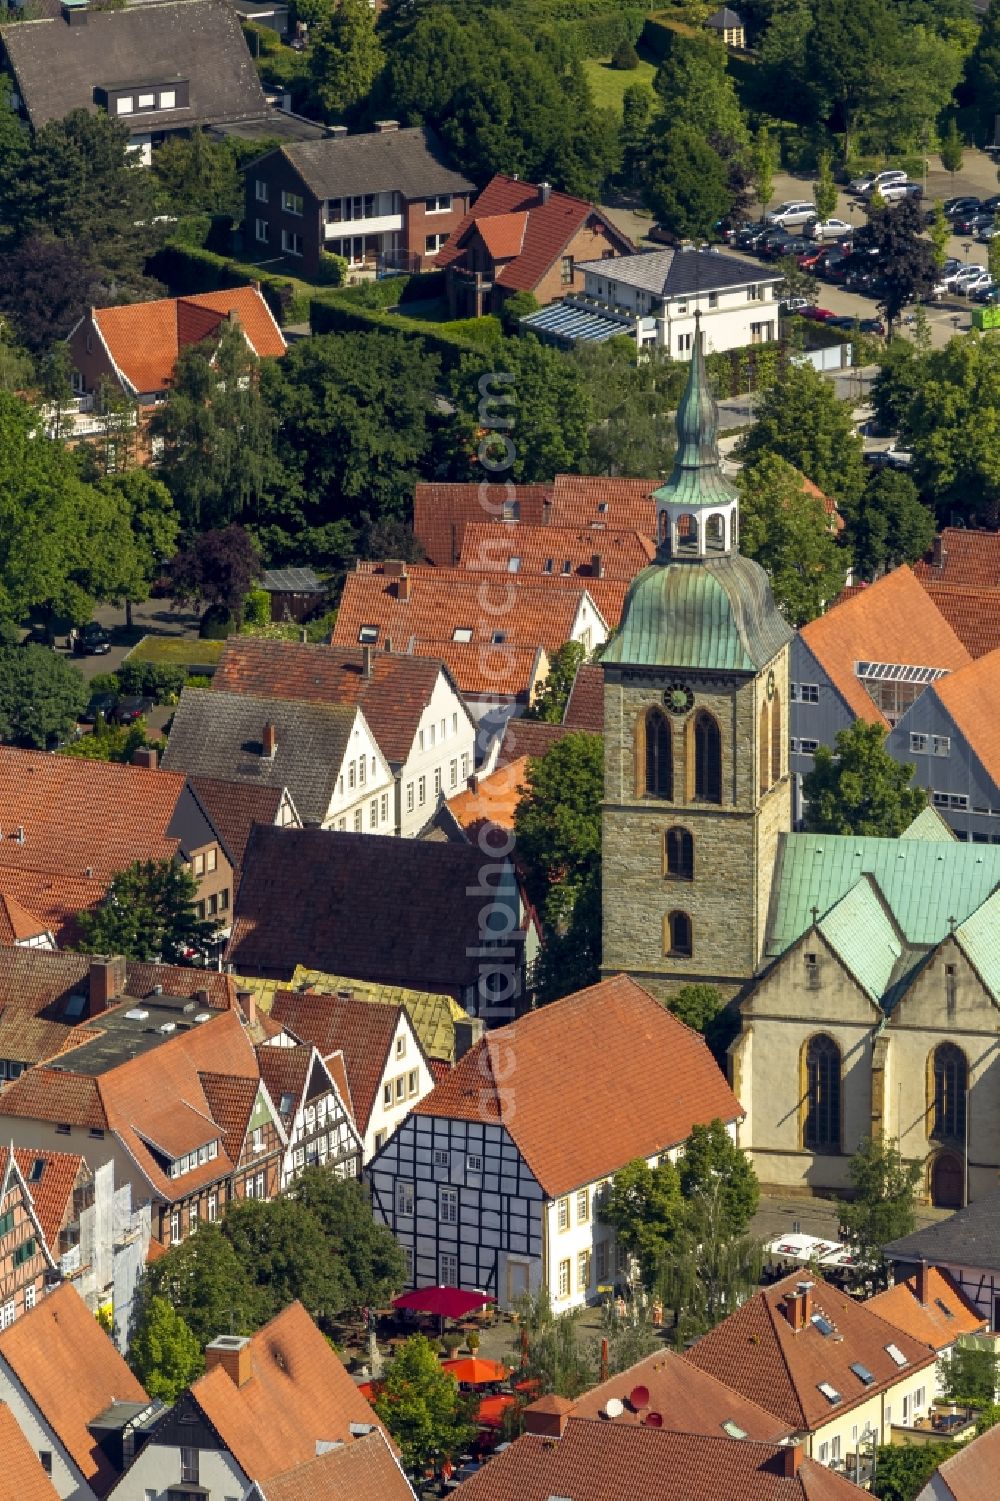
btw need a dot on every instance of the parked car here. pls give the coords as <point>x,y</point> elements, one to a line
<point>103,704</point>
<point>842,320</point>
<point>810,259</point>
<point>955,208</point>
<point>989,295</point>
<point>895,192</point>
<point>92,640</point>
<point>795,212</point>
<point>830,229</point>
<point>872,326</point>
<point>983,290</point>
<point>128,710</point>
<point>773,236</point>
<point>750,236</point>
<point>978,280</point>
<point>817,314</point>
<point>971,224</point>
<point>793,245</point>
<point>988,232</point>
<point>876,179</point>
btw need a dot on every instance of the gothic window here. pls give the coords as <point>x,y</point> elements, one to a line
<point>949,1082</point>
<point>680,854</point>
<point>707,758</point>
<point>764,748</point>
<point>821,1118</point>
<point>677,935</point>
<point>776,737</point>
<point>659,771</point>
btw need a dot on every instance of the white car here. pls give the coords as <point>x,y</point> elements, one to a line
<point>795,211</point>
<point>830,229</point>
<point>973,279</point>
<point>878,180</point>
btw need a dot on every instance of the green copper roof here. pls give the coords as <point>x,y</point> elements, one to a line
<point>979,938</point>
<point>929,825</point>
<point>862,934</point>
<point>696,479</point>
<point>715,613</point>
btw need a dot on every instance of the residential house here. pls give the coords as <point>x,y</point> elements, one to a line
<point>58,1372</point>
<point>931,1307</point>
<point>424,914</point>
<point>266,1404</point>
<point>386,199</point>
<point>233,808</point>
<point>27,1261</point>
<point>364,1470</point>
<point>70,825</point>
<point>171,1094</point>
<point>487,803</point>
<point>519,237</point>
<point>968,1475</point>
<point>971,611</point>
<point>317,1119</point>
<point>494,1181</point>
<point>585,706</point>
<point>653,298</point>
<point>324,754</point>
<point>412,706</point>
<point>442,510</point>
<point>965,1248</point>
<point>728,26</point>
<point>594,1461</point>
<point>961,574</point>
<point>869,657</point>
<point>20,1465</point>
<point>834,1372</point>
<point>387,1070</point>
<point>160,68</point>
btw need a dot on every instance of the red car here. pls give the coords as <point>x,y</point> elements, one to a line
<point>820,314</point>
<point>812,257</point>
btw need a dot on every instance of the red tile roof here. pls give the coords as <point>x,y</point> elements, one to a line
<point>17,923</point>
<point>23,1476</point>
<point>232,808</point>
<point>549,227</point>
<point>595,1461</point>
<point>971,1474</point>
<point>970,696</point>
<point>285,1072</point>
<point>392,699</point>
<point>892,620</point>
<point>52,1191</point>
<point>756,1351</point>
<point>591,1040</point>
<point>585,705</point>
<point>360,1031</point>
<point>298,1394</point>
<point>364,1470</point>
<point>441,512</point>
<point>494,799</point>
<point>969,559</point>
<point>145,338</point>
<point>72,1371</point>
<point>484,669</point>
<point>971,611</point>
<point>946,1314</point>
<point>628,504</point>
<point>529,737</point>
<point>546,550</point>
<point>52,901</point>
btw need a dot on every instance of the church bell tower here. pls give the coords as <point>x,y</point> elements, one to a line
<point>696,778</point>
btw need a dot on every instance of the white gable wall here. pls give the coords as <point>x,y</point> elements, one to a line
<point>442,756</point>
<point>406,1079</point>
<point>66,1476</point>
<point>363,800</point>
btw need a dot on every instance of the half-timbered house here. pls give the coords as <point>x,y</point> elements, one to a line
<point>26,1259</point>
<point>494,1181</point>
<point>317,1121</point>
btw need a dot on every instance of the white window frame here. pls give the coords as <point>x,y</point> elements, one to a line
<point>406,1198</point>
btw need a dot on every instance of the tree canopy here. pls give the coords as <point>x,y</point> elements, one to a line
<point>422,1407</point>
<point>857,788</point>
<point>883,1206</point>
<point>788,532</point>
<point>801,420</point>
<point>42,695</point>
<point>149,914</point>
<point>550,704</point>
<point>164,1353</point>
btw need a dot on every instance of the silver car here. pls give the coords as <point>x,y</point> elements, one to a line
<point>796,211</point>
<point>878,180</point>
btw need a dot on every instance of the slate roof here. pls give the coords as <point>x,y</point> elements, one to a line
<point>363,1033</point>
<point>219,734</point>
<point>72,1371</point>
<point>432,1015</point>
<point>939,1321</point>
<point>364,1470</point>
<point>724,20</point>
<point>412,162</point>
<point>52,1189</point>
<point>441,512</point>
<point>393,911</point>
<point>892,620</point>
<point>596,1461</point>
<point>19,1464</point>
<point>144,339</point>
<point>298,1394</point>
<point>971,612</point>
<point>585,706</point>
<point>530,737</point>
<point>756,1351</point>
<point>234,808</point>
<point>58,67</point>
<point>393,698</point>
<point>970,1474</point>
<point>968,1238</point>
<point>590,1040</point>
<point>674,273</point>
<point>536,232</point>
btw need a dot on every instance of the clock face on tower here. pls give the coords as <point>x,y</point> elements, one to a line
<point>678,698</point>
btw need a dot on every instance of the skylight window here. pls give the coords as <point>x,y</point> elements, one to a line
<point>896,1354</point>
<point>948,1312</point>
<point>830,1392</point>
<point>368,635</point>
<point>513,565</point>
<point>37,1169</point>
<point>74,1006</point>
<point>462,633</point>
<point>823,1325</point>
<point>863,1373</point>
<point>733,1430</point>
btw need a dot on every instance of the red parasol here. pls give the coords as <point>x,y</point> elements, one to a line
<point>492,1409</point>
<point>475,1372</point>
<point>447,1302</point>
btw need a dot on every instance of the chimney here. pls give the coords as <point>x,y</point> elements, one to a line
<point>805,1292</point>
<point>545,189</point>
<point>939,552</point>
<point>366,661</point>
<point>597,566</point>
<point>467,1034</point>
<point>383,127</point>
<point>269,740</point>
<point>794,1309</point>
<point>547,1417</point>
<point>403,586</point>
<point>337,132</point>
<point>923,1282</point>
<point>787,1461</point>
<point>232,1353</point>
<point>473,782</point>
<point>145,755</point>
<point>107,982</point>
<point>246,1003</point>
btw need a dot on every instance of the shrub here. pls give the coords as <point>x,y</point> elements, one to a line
<point>105,682</point>
<point>625,57</point>
<point>518,305</point>
<point>198,680</point>
<point>450,1342</point>
<point>216,624</point>
<point>332,270</point>
<point>257,608</point>
<point>153,680</point>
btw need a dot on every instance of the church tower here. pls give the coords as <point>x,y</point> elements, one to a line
<point>696,779</point>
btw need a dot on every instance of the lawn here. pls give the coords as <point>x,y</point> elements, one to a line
<point>608,84</point>
<point>177,651</point>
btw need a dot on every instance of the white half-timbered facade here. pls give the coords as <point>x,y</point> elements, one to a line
<point>317,1121</point>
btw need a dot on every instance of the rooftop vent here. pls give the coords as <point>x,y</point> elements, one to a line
<point>614,1407</point>
<point>137,1014</point>
<point>203,1016</point>
<point>167,1027</point>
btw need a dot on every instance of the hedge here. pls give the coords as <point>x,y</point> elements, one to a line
<point>156,680</point>
<point>188,269</point>
<point>335,313</point>
<point>660,31</point>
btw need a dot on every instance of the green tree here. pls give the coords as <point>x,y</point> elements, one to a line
<point>859,789</point>
<point>284,1254</point>
<point>345,58</point>
<point>686,183</point>
<point>196,175</point>
<point>993,257</point>
<point>366,1249</point>
<point>908,270</point>
<point>983,72</point>
<point>890,525</point>
<point>712,1163</point>
<point>219,568</point>
<point>154,528</point>
<point>697,91</point>
<point>706,1273</point>
<point>41,695</point>
<point>550,704</point>
<point>148,914</point>
<point>951,150</point>
<point>557,1356</point>
<point>557,824</point>
<point>825,189</point>
<point>796,281</point>
<point>696,1005</point>
<point>203,1281</point>
<point>645,1208</point>
<point>949,423</point>
<point>422,1408</point>
<point>788,532</point>
<point>763,167</point>
<point>801,420</point>
<point>939,233</point>
<point>625,58</point>
<point>540,398</point>
<point>111,742</point>
<point>989,1417</point>
<point>883,1206</point>
<point>632,399</point>
<point>970,1374</point>
<point>637,109</point>
<point>515,307</point>
<point>902,1470</point>
<point>846,71</point>
<point>163,1351</point>
<point>901,375</point>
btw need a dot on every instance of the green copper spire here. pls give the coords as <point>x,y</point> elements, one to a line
<point>696,481</point>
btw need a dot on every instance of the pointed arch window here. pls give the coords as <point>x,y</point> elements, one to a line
<point>821,1114</point>
<point>679,851</point>
<point>764,749</point>
<point>950,1081</point>
<point>659,761</point>
<point>776,733</point>
<point>677,935</point>
<point>707,758</point>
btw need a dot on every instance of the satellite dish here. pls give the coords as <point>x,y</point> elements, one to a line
<point>639,1397</point>
<point>653,1420</point>
<point>614,1407</point>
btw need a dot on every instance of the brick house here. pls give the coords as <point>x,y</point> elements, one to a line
<point>383,198</point>
<point>519,237</point>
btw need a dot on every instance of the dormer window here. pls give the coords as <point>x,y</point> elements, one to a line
<point>124,104</point>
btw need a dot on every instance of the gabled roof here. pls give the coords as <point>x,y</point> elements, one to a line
<point>970,1474</point>
<point>20,1466</point>
<point>600,501</point>
<point>529,227</point>
<point>17,924</point>
<point>591,1041</point>
<point>362,1032</point>
<point>860,930</point>
<point>220,735</point>
<point>939,1321</point>
<point>892,620</point>
<point>393,698</point>
<point>494,799</point>
<point>50,1178</point>
<point>412,162</point>
<point>298,1395</point>
<point>756,1351</point>
<point>724,20</point>
<point>585,706</point>
<point>484,669</point>
<point>968,1238</point>
<point>432,1015</point>
<point>364,1470</point>
<point>72,1371</point>
<point>675,273</point>
<point>552,555</point>
<point>969,696</point>
<point>962,556</point>
<point>393,911</point>
<point>233,808</point>
<point>60,68</point>
<point>979,939</point>
<point>971,612</point>
<point>530,737</point>
<point>929,824</point>
<point>442,511</point>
